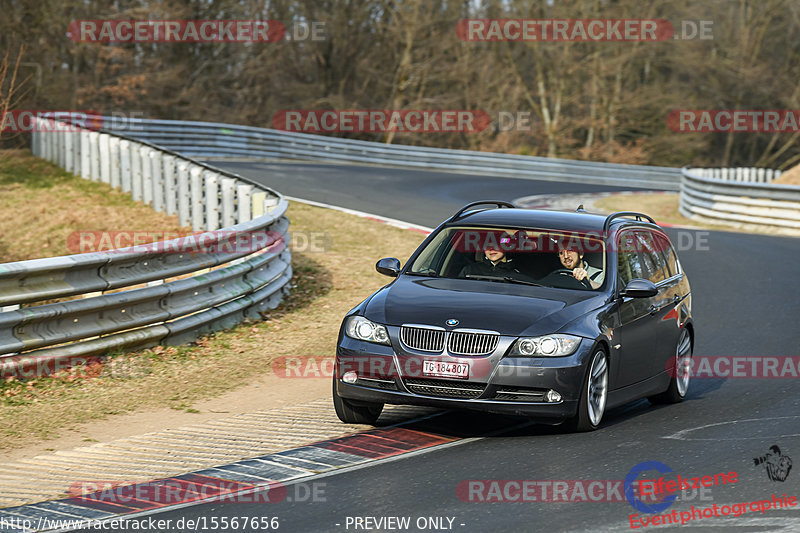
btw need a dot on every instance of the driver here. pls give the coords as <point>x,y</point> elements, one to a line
<point>572,259</point>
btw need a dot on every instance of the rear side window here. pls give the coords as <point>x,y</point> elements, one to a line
<point>654,265</point>
<point>670,258</point>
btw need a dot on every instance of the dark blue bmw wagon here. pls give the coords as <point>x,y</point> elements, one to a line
<point>557,316</point>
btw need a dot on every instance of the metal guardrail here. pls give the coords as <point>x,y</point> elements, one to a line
<point>216,140</point>
<point>172,296</point>
<point>738,196</point>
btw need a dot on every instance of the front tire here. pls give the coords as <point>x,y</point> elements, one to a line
<point>680,370</point>
<point>594,393</point>
<point>352,413</point>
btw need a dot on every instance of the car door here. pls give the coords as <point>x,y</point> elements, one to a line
<point>675,291</point>
<point>662,305</point>
<point>635,333</point>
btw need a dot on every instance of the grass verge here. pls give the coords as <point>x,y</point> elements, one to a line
<point>327,283</point>
<point>43,205</point>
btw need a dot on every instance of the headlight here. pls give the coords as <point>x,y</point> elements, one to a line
<point>358,327</point>
<point>547,346</point>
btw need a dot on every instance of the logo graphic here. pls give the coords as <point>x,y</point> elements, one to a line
<point>775,463</point>
<point>451,322</point>
<point>631,479</point>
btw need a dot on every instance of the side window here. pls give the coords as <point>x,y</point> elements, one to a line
<point>629,264</point>
<point>663,245</point>
<point>653,262</point>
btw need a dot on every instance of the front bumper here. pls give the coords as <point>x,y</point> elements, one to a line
<point>503,385</point>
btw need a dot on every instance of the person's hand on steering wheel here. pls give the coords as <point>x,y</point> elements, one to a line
<point>578,274</point>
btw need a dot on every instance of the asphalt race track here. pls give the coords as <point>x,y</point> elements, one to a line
<point>746,290</point>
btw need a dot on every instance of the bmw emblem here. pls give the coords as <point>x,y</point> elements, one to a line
<point>451,322</point>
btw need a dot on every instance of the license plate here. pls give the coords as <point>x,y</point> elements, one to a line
<point>444,369</point>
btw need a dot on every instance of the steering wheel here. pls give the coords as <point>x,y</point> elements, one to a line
<point>568,272</point>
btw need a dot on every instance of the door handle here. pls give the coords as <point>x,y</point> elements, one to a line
<point>653,310</point>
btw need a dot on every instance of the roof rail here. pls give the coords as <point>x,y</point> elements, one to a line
<point>498,203</point>
<point>620,214</point>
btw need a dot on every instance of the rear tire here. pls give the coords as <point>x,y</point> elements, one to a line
<point>594,393</point>
<point>355,413</point>
<point>679,382</point>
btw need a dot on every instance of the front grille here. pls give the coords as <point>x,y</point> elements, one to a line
<point>441,388</point>
<point>466,343</point>
<point>423,339</point>
<point>458,342</point>
<point>519,394</point>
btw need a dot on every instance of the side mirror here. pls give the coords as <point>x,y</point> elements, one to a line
<point>640,288</point>
<point>388,266</point>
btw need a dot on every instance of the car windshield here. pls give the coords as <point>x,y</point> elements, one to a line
<point>566,260</point>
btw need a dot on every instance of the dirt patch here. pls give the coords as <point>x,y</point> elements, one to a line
<point>790,177</point>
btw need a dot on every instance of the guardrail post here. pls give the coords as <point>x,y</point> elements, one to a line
<point>59,155</point>
<point>170,187</point>
<point>197,206</point>
<point>35,138</point>
<point>244,203</point>
<point>69,139</point>
<point>147,175</point>
<point>76,151</point>
<point>105,158</point>
<point>94,156</point>
<point>184,209</point>
<point>228,202</point>
<point>125,165</point>
<point>157,174</point>
<point>45,154</point>
<point>258,203</point>
<point>761,175</point>
<point>137,183</point>
<point>86,154</point>
<point>212,200</point>
<point>739,173</point>
<point>769,175</point>
<point>270,202</point>
<point>113,154</point>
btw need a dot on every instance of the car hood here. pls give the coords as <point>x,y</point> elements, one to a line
<point>508,308</point>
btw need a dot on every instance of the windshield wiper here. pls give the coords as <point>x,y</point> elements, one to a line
<point>507,279</point>
<point>522,281</point>
<point>429,274</point>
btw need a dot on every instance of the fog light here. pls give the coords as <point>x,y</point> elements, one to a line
<point>553,396</point>
<point>352,377</point>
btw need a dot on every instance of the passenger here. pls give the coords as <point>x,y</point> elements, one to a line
<point>494,263</point>
<point>572,259</point>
